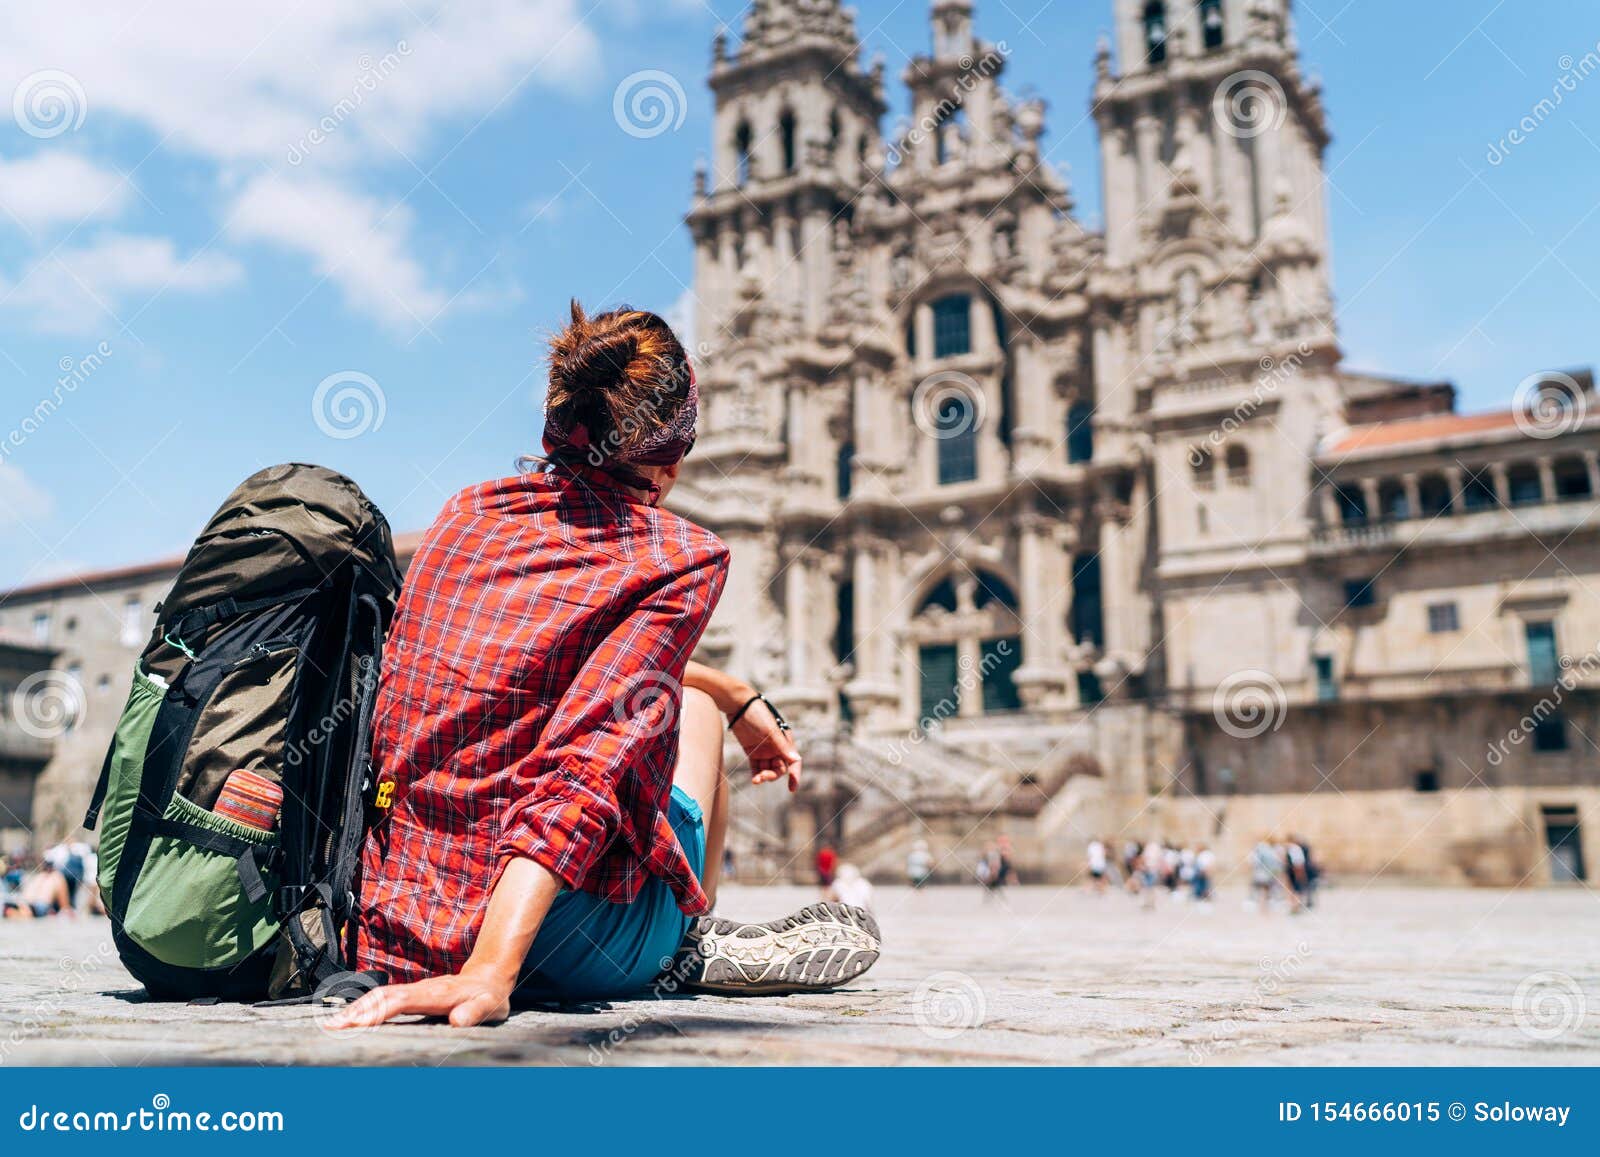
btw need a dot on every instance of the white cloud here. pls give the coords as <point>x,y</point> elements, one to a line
<point>21,501</point>
<point>316,93</point>
<point>551,210</point>
<point>246,80</point>
<point>50,187</point>
<point>85,289</point>
<point>354,241</point>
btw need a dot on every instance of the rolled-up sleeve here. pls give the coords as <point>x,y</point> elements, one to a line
<point>618,716</point>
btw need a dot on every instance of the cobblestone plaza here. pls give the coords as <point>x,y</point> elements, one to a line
<point>1375,976</point>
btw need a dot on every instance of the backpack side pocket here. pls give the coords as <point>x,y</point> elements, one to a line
<point>189,907</point>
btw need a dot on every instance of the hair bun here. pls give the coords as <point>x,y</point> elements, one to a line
<point>618,373</point>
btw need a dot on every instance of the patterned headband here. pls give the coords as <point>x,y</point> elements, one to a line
<point>573,441</point>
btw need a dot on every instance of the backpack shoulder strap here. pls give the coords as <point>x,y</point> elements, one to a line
<point>98,801</point>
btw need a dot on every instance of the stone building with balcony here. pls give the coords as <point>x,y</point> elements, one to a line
<point>1051,531</point>
<point>26,747</point>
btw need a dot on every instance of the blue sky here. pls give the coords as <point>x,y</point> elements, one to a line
<point>170,232</point>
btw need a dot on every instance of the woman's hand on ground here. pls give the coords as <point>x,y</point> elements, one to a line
<point>772,753</point>
<point>467,999</point>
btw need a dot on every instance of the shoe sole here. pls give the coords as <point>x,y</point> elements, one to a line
<point>822,946</point>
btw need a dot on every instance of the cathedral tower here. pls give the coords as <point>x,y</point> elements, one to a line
<point>1216,335</point>
<point>796,119</point>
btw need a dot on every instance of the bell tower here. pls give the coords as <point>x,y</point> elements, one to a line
<point>1210,117</point>
<point>796,121</point>
<point>796,136</point>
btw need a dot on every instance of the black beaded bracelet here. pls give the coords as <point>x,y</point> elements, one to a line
<point>783,724</point>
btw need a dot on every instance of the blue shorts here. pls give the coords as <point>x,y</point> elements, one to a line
<point>591,949</point>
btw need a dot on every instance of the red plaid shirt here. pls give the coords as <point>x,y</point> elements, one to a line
<point>528,708</point>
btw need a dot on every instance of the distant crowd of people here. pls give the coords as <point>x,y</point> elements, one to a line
<point>62,883</point>
<point>1283,873</point>
<point>994,870</point>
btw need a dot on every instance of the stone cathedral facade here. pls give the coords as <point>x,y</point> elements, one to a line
<point>1052,531</point>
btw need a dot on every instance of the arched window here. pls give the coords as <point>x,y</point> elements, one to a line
<point>1524,484</point>
<point>998,661</point>
<point>788,129</point>
<point>939,655</point>
<point>1477,491</point>
<point>991,590</point>
<point>1572,479</point>
<point>1433,494</point>
<point>843,466</point>
<point>1080,431</point>
<point>939,671</point>
<point>844,630</point>
<point>742,140</point>
<point>952,326</point>
<point>1088,623</point>
<point>1352,504</point>
<point>1205,467</point>
<point>1155,32</point>
<point>943,596</point>
<point>1392,501</point>
<point>948,137</point>
<point>958,450</point>
<point>969,646</point>
<point>1212,29</point>
<point>1238,460</point>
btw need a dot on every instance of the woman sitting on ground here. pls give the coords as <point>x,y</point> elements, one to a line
<point>553,757</point>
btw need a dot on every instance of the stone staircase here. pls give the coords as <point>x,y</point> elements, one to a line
<point>890,792</point>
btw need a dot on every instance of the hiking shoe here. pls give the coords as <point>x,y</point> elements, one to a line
<point>819,947</point>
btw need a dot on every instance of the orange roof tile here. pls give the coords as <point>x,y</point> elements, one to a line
<point>1400,433</point>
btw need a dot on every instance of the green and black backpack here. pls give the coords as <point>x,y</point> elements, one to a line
<point>265,657</point>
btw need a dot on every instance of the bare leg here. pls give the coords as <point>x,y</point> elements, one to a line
<point>817,948</point>
<point>701,775</point>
